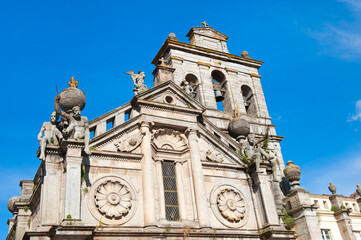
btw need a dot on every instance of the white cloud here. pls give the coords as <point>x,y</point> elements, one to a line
<point>354,5</point>
<point>342,39</point>
<point>357,115</point>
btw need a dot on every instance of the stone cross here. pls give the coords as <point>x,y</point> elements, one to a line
<point>205,24</point>
<point>162,60</point>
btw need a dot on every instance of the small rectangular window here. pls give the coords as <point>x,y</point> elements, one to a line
<point>326,234</point>
<point>170,191</point>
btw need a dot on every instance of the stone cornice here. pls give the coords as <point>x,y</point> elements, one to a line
<point>205,51</point>
<point>163,106</point>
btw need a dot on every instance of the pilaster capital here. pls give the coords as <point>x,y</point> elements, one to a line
<point>72,148</point>
<point>146,126</point>
<point>191,133</point>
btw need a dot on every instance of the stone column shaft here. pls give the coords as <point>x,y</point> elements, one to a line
<point>148,177</point>
<point>198,179</point>
<point>180,190</point>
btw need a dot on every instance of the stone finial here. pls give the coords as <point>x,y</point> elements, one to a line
<point>172,36</point>
<point>292,173</point>
<point>332,188</point>
<point>245,54</point>
<point>11,203</point>
<point>358,189</point>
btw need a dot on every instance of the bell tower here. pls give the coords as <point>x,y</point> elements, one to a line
<point>224,83</point>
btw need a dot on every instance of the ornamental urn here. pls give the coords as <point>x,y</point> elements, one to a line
<point>71,97</point>
<point>292,173</point>
<point>238,127</point>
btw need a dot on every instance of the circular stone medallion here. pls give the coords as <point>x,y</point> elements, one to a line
<point>112,200</point>
<point>229,206</point>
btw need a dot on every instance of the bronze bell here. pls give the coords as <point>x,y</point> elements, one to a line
<point>219,96</point>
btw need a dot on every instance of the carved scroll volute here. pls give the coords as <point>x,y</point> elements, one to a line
<point>129,143</point>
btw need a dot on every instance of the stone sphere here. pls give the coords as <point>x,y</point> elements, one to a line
<point>11,203</point>
<point>238,127</point>
<point>71,97</point>
<point>244,54</point>
<point>171,35</point>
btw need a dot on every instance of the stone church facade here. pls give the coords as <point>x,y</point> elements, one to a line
<point>194,157</point>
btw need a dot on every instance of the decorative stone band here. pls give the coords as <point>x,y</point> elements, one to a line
<point>204,64</point>
<point>255,75</point>
<point>177,58</point>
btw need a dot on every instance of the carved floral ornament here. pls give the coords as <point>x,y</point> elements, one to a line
<point>112,200</point>
<point>169,139</point>
<point>229,206</point>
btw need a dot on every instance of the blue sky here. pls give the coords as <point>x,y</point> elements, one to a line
<point>310,76</point>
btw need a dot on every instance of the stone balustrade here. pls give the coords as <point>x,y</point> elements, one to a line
<point>109,120</point>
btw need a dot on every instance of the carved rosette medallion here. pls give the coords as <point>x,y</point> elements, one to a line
<point>111,200</point>
<point>229,206</point>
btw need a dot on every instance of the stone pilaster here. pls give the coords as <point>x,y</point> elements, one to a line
<point>148,176</point>
<point>263,182</point>
<point>162,73</point>
<point>180,190</point>
<point>158,166</point>
<point>300,207</point>
<point>22,220</point>
<point>72,164</point>
<point>51,187</point>
<point>342,217</point>
<point>198,180</point>
<point>206,89</point>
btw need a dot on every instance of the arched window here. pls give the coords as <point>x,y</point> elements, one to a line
<point>219,87</point>
<point>249,100</point>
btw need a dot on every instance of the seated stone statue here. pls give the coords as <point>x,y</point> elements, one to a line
<point>78,128</point>
<point>254,152</point>
<point>51,133</point>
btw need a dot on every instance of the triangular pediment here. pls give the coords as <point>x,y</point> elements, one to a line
<point>168,95</point>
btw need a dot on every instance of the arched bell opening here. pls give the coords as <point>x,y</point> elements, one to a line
<point>191,86</point>
<point>249,100</point>
<point>219,88</point>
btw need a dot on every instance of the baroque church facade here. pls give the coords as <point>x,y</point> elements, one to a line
<point>194,157</point>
